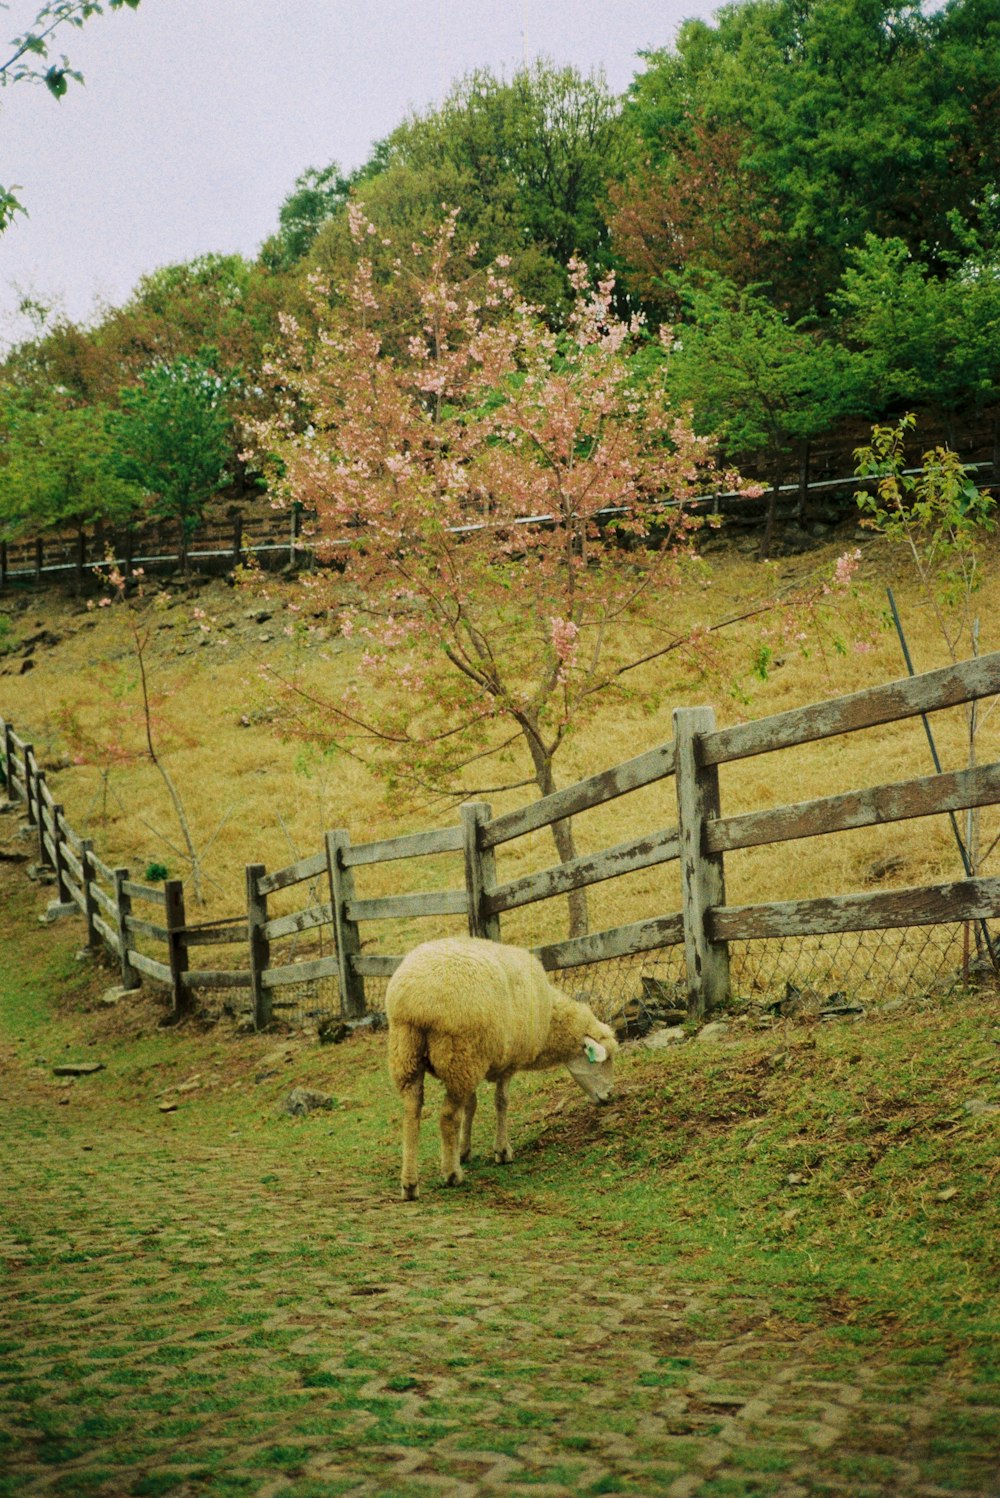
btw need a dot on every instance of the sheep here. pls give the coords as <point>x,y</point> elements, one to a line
<point>468,1010</point>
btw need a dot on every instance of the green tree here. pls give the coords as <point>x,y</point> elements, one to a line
<point>858,116</point>
<point>702,207</point>
<point>527,161</point>
<point>318,195</point>
<point>58,468</point>
<point>931,340</point>
<point>173,439</point>
<point>765,385</point>
<point>29,62</point>
<point>938,519</point>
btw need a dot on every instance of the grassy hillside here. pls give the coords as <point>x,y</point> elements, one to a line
<point>253,795</point>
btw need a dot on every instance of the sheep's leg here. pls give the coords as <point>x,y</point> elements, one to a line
<point>467,1117</point>
<point>503,1154</point>
<point>452,1118</point>
<point>413,1102</point>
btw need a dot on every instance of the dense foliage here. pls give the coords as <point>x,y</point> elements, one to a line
<point>801,196</point>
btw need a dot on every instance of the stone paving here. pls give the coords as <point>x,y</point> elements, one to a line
<point>182,1320</point>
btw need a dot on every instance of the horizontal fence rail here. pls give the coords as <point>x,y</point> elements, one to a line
<point>146,931</point>
<point>285,536</point>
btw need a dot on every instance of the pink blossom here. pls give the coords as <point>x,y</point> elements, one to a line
<point>564,633</point>
<point>846,566</point>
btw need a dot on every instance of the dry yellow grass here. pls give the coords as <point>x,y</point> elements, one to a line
<point>251,797</point>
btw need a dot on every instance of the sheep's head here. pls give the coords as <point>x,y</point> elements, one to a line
<point>592,1065</point>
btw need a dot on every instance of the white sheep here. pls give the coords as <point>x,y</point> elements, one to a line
<point>468,1011</point>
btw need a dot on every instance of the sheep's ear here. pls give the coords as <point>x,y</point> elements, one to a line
<point>593,1050</point>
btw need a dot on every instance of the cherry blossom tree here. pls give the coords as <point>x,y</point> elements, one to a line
<point>506,502</point>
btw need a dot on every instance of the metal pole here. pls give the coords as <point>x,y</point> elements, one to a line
<point>966,864</point>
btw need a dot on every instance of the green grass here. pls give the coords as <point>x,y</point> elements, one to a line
<point>225,1274</point>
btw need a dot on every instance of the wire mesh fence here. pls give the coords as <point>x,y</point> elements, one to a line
<point>867,967</point>
<point>862,968</point>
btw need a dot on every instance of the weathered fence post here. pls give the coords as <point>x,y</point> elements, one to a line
<point>260,947</point>
<point>480,870</point>
<point>123,903</point>
<point>177,951</point>
<point>3,565</point>
<point>89,902</point>
<point>44,856</point>
<point>29,797</point>
<point>345,931</point>
<point>702,873</point>
<point>62,887</point>
<point>237,539</point>
<point>8,759</point>
<point>39,559</point>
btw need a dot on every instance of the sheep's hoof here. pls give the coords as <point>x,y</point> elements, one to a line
<point>455,1178</point>
<point>410,1192</point>
<point>504,1156</point>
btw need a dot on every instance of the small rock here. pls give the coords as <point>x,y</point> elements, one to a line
<point>55,910</point>
<point>170,1107</point>
<point>77,1068</point>
<point>44,637</point>
<point>717,1030</point>
<point>302,1100</point>
<point>114,995</point>
<point>332,1031</point>
<point>658,1040</point>
<point>979,1105</point>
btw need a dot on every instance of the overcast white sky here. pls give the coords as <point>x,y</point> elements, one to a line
<point>196,117</point>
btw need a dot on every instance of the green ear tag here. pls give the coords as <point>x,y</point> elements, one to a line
<point>590,1050</point>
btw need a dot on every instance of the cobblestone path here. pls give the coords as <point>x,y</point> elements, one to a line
<point>181,1319</point>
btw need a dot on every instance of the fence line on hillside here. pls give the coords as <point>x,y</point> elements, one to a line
<point>705,926</point>
<point>284,535</point>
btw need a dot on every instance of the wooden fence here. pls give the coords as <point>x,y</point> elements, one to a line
<point>705,925</point>
<point>277,537</point>
<point>218,545</point>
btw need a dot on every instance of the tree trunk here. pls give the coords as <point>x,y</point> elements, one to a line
<point>800,513</point>
<point>562,834</point>
<point>767,539</point>
<point>576,900</point>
